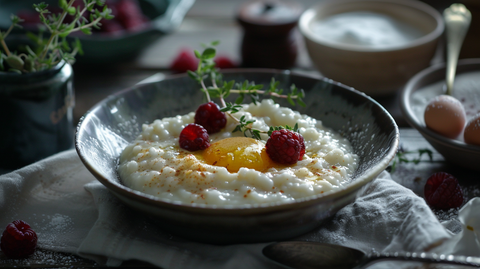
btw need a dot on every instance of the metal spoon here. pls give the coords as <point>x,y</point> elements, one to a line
<point>457,20</point>
<point>309,255</point>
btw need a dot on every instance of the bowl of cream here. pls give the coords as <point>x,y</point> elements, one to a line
<point>375,46</point>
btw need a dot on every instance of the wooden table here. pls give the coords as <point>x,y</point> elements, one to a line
<point>213,20</point>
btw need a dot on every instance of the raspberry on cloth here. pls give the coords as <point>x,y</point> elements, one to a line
<point>18,240</point>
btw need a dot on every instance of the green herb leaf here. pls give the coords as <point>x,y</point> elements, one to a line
<point>192,74</point>
<point>86,31</point>
<point>15,62</point>
<point>231,107</point>
<point>41,8</point>
<point>289,99</point>
<point>208,53</point>
<point>239,99</point>
<point>213,86</point>
<point>65,32</point>
<point>63,4</point>
<point>401,157</point>
<point>65,45</point>
<point>71,10</point>
<point>16,20</point>
<point>197,54</point>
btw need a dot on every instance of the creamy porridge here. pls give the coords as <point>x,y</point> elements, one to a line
<point>155,164</point>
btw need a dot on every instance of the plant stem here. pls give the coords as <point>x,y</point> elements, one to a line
<point>54,32</point>
<point>85,9</point>
<point>233,117</point>
<point>270,93</point>
<point>4,45</point>
<point>64,13</point>
<point>206,91</point>
<point>85,26</point>
<point>222,101</point>
<point>44,52</point>
<point>8,31</point>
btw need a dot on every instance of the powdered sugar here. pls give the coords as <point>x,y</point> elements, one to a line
<point>44,258</point>
<point>44,225</point>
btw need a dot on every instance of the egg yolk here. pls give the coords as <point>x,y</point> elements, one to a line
<point>236,152</point>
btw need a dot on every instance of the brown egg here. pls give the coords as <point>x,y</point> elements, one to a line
<point>472,131</point>
<point>445,115</point>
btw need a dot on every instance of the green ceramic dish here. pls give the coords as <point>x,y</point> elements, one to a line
<point>109,126</point>
<point>165,16</point>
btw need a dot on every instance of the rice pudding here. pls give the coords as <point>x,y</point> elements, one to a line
<point>243,176</point>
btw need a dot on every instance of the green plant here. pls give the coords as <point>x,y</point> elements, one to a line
<point>48,52</point>
<point>401,157</point>
<point>206,71</point>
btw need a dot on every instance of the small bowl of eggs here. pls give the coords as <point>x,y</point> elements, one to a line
<point>375,46</point>
<point>450,123</point>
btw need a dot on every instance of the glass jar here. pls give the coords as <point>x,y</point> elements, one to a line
<point>36,115</point>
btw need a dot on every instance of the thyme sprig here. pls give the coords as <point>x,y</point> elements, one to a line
<point>218,88</point>
<point>401,157</point>
<point>245,126</point>
<point>48,52</point>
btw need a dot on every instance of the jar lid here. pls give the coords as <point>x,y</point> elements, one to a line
<point>270,12</point>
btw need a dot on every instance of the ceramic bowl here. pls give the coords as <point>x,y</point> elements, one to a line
<point>108,127</point>
<point>413,105</point>
<point>374,70</point>
<point>164,17</point>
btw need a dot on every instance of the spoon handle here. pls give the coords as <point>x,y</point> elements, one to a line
<point>421,257</point>
<point>457,20</point>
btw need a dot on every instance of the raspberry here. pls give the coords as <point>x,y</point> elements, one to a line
<point>186,60</point>
<point>224,62</point>
<point>442,191</point>
<point>210,117</point>
<point>194,137</point>
<point>111,26</point>
<point>302,147</point>
<point>129,14</point>
<point>285,146</point>
<point>18,240</point>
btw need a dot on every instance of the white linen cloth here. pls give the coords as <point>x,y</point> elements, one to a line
<point>467,241</point>
<point>72,212</point>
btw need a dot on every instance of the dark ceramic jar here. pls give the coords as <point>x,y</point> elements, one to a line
<point>268,33</point>
<point>36,115</point>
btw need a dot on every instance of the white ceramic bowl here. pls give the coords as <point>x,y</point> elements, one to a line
<point>454,151</point>
<point>373,70</point>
